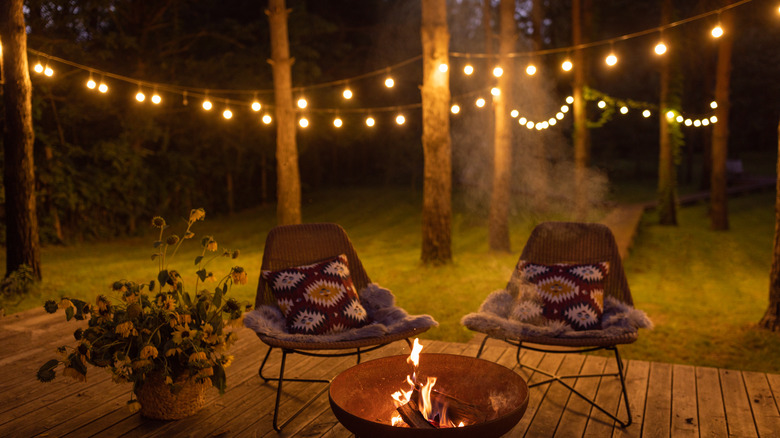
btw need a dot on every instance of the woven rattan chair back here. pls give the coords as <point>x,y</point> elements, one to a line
<point>302,244</point>
<point>570,242</point>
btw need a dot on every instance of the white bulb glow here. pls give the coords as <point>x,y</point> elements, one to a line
<point>91,84</point>
<point>443,68</point>
<point>602,104</point>
<point>514,113</point>
<point>717,31</point>
<point>38,68</point>
<point>646,113</point>
<point>560,116</point>
<point>207,105</point>
<point>522,121</point>
<point>498,71</point>
<point>303,122</point>
<point>530,70</point>
<point>570,99</point>
<point>347,94</point>
<point>679,119</point>
<point>140,96</point>
<point>623,110</point>
<point>660,48</point>
<point>713,104</point>
<point>567,65</point>
<point>400,119</point>
<point>48,71</point>
<point>267,119</point>
<point>611,59</point>
<point>103,88</point>
<point>495,91</point>
<point>552,121</point>
<point>337,122</point>
<point>705,122</point>
<point>565,109</point>
<point>370,121</point>
<point>697,123</point>
<point>389,82</point>
<point>714,119</point>
<point>455,109</point>
<point>468,69</point>
<point>302,103</point>
<point>256,106</point>
<point>227,114</point>
<point>480,102</point>
<point>156,99</point>
<point>670,115</point>
<point>688,122</point>
<point>530,125</point>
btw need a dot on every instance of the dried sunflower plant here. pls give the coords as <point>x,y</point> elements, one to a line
<point>157,328</point>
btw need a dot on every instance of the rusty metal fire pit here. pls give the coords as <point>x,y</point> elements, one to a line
<point>360,396</point>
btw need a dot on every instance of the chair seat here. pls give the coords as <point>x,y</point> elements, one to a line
<point>341,345</point>
<point>627,338</point>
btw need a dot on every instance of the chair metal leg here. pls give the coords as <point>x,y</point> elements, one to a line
<point>482,346</point>
<point>558,378</point>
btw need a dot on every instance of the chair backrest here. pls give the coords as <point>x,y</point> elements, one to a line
<point>576,242</point>
<point>295,245</point>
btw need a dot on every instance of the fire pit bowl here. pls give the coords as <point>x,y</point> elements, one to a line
<point>361,401</point>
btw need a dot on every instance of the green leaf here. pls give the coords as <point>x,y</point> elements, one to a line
<point>218,379</point>
<point>198,259</point>
<point>202,274</point>
<point>186,297</point>
<point>218,294</point>
<point>46,372</point>
<point>158,243</point>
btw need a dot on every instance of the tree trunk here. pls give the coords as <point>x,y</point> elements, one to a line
<point>667,178</point>
<point>719,219</point>
<point>288,207</point>
<point>581,135</point>
<point>22,241</point>
<point>437,148</point>
<point>771,319</point>
<point>498,227</point>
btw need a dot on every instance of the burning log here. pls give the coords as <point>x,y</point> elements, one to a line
<point>457,410</point>
<point>413,417</point>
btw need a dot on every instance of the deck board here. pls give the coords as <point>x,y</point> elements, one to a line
<point>666,399</point>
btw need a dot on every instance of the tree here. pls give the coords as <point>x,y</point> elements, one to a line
<point>719,219</point>
<point>22,241</point>
<point>498,227</point>
<point>437,184</point>
<point>771,319</point>
<point>288,208</point>
<point>667,177</point>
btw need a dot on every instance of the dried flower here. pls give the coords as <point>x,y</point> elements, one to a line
<point>238,275</point>
<point>148,352</point>
<point>158,222</point>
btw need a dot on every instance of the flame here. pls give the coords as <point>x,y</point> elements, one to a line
<point>414,358</point>
<point>397,420</point>
<point>425,395</point>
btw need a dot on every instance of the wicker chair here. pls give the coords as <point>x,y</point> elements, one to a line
<point>295,245</point>
<point>566,242</point>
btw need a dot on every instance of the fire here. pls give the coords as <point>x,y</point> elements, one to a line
<point>433,411</point>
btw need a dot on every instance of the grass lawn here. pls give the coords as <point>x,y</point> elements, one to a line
<point>704,290</point>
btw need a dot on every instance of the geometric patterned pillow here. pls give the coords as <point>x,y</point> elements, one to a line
<point>571,293</point>
<point>318,298</point>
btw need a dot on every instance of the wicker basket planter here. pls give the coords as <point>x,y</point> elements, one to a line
<point>158,402</point>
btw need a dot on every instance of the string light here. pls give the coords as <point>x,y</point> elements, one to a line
<point>468,69</point>
<point>717,31</point>
<point>91,82</point>
<point>611,59</point>
<point>713,104</point>
<point>443,68</point>
<point>530,125</point>
<point>569,100</point>
<point>560,116</point>
<point>714,119</point>
<point>646,113</point>
<point>566,65</point>
<point>303,122</point>
<point>688,122</point>
<point>389,82</point>
<point>514,113</point>
<point>522,121</point>
<point>227,114</point>
<point>400,119</point>
<point>495,91</point>
<point>564,109</point>
<point>498,71</point>
<point>623,110</point>
<point>679,119</point>
<point>337,122</point>
<point>530,70</point>
<point>267,119</point>
<point>670,115</point>
<point>103,87</point>
<point>156,99</point>
<point>370,121</point>
<point>660,48</point>
<point>140,96</point>
<point>480,102</point>
<point>207,105</point>
<point>455,109</point>
<point>302,103</point>
<point>48,71</point>
<point>347,93</point>
<point>256,106</point>
<point>552,121</point>
<point>602,104</point>
<point>38,68</point>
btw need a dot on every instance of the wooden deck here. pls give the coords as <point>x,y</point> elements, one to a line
<point>666,399</point>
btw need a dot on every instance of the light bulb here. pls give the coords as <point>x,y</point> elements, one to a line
<point>530,70</point>
<point>455,109</point>
<point>688,122</point>
<point>267,119</point>
<point>103,88</point>
<point>48,71</point>
<point>389,82</point>
<point>495,91</point>
<point>370,121</point>
<point>480,102</point>
<point>207,105</point>
<point>714,119</point>
<point>530,125</point>
<point>256,106</point>
<point>660,48</point>
<point>400,119</point>
<point>623,110</point>
<point>679,119</point>
<point>347,93</point>
<point>670,115</point>
<point>468,69</point>
<point>337,122</point>
<point>552,121</point>
<point>302,103</point>
<point>602,104</point>
<point>611,59</point>
<point>498,71</point>
<point>570,99</point>
<point>705,122</point>
<point>697,123</point>
<point>303,122</point>
<point>156,99</point>
<point>140,96</point>
<point>443,68</point>
<point>717,31</point>
<point>522,121</point>
<point>565,109</point>
<point>646,113</point>
<point>91,84</point>
<point>38,68</point>
<point>560,116</point>
<point>567,65</point>
<point>514,113</point>
<point>227,114</point>
<point>713,104</point>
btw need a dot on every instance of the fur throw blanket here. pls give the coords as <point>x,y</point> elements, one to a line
<point>378,302</point>
<point>496,318</point>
